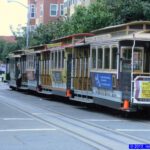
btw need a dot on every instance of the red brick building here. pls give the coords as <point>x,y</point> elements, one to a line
<point>44,11</point>
<point>9,39</point>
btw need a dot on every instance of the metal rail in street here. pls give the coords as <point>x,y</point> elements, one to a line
<point>94,135</point>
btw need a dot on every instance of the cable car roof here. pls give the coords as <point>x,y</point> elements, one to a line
<point>117,27</point>
<point>73,35</point>
<point>141,36</point>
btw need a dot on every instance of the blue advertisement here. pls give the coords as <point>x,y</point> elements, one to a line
<point>102,80</point>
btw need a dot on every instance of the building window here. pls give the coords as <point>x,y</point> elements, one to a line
<point>53,9</point>
<point>69,3</point>
<point>61,9</point>
<point>41,10</point>
<point>32,11</point>
<point>66,4</point>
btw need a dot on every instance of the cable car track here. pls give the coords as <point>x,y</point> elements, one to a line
<point>81,129</point>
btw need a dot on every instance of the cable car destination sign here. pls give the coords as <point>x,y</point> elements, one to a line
<point>142,88</point>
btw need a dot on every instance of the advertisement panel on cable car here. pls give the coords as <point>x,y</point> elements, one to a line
<point>142,89</point>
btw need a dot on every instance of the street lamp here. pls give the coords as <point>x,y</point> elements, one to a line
<point>28,20</point>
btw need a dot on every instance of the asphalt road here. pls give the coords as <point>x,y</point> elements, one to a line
<point>29,122</point>
<point>21,131</point>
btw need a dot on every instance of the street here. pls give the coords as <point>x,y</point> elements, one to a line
<point>29,122</point>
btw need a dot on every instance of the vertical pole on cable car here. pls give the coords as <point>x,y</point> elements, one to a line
<point>118,62</point>
<point>132,68</point>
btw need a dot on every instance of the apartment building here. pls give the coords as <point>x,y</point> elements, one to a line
<point>44,11</point>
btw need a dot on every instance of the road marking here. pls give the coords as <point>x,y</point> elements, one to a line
<point>45,114</point>
<point>134,130</point>
<point>102,120</point>
<point>25,130</point>
<point>40,113</point>
<point>17,119</point>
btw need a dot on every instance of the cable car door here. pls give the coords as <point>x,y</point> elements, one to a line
<point>125,72</point>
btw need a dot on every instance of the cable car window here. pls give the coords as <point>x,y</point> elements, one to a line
<point>56,59</point>
<point>126,54</point>
<point>138,60</point>
<point>114,57</point>
<point>47,63</point>
<point>137,26</point>
<point>63,59</point>
<point>146,60</point>
<point>100,57</point>
<point>40,64</point>
<point>30,62</point>
<point>59,59</point>
<point>106,58</point>
<point>45,59</point>
<point>43,64</point>
<point>93,58</point>
<point>126,59</point>
<point>147,26</point>
<point>52,60</point>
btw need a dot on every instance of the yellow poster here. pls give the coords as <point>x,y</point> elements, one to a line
<point>145,89</point>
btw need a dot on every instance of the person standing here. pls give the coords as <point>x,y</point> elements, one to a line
<point>18,76</point>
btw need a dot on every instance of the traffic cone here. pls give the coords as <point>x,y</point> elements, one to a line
<point>126,104</point>
<point>68,93</point>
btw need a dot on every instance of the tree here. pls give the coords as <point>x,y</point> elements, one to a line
<point>129,10</point>
<point>6,47</point>
<point>99,15</point>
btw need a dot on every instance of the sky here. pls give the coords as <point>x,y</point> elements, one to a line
<point>12,14</point>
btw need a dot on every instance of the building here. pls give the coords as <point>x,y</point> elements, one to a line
<point>9,39</point>
<point>44,11</point>
<point>69,5</point>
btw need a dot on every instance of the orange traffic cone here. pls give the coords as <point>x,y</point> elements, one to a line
<point>68,93</point>
<point>126,104</point>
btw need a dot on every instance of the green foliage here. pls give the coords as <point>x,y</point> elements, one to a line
<point>98,16</point>
<point>43,34</point>
<point>6,48</point>
<point>129,10</point>
<point>78,21</point>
